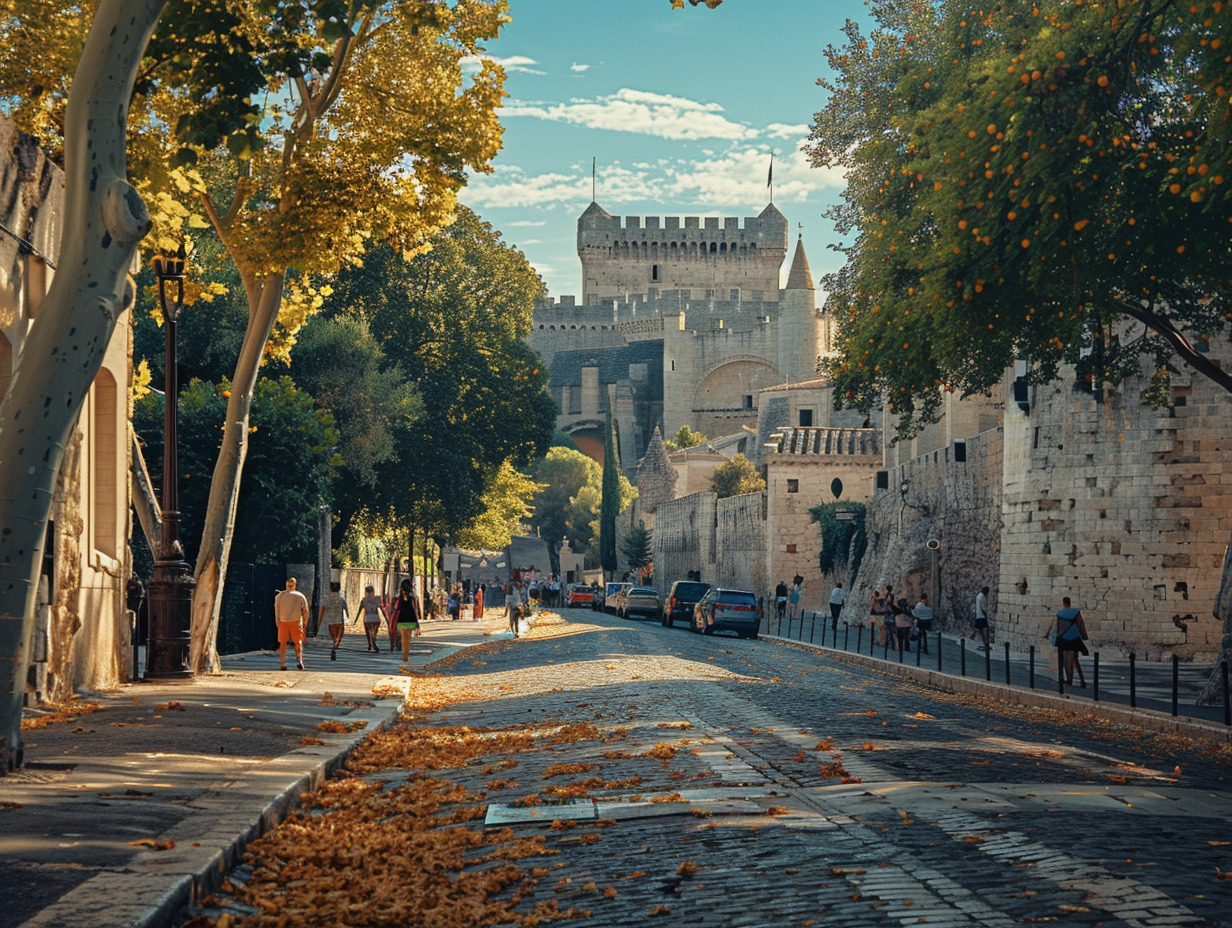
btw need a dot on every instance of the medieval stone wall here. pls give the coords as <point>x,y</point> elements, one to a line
<point>740,543</point>
<point>957,504</point>
<point>1124,508</point>
<point>684,539</point>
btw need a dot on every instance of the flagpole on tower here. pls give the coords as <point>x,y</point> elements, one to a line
<point>770,179</point>
<point>592,179</point>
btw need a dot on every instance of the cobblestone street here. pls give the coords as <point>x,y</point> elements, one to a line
<point>730,782</point>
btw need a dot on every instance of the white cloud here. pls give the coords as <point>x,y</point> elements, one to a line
<point>642,112</point>
<point>780,130</point>
<point>579,68</point>
<point>527,223</point>
<point>514,64</point>
<point>732,179</point>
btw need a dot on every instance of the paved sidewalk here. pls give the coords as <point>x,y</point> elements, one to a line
<point>1029,677</point>
<point>119,812</point>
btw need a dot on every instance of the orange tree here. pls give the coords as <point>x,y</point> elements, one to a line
<point>1045,181</point>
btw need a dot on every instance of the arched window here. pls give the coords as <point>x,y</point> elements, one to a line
<point>723,248</point>
<point>714,247</point>
<point>104,424</point>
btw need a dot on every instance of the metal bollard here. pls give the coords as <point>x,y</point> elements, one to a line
<point>1060,671</point>
<point>1007,664</point>
<point>779,633</point>
<point>859,639</point>
<point>1227,707</point>
<point>962,653</point>
<point>939,641</point>
<point>813,628</point>
<point>1133,682</point>
<point>1031,668</point>
<point>1095,674</point>
<point>919,650</point>
<point>846,635</point>
<point>1176,679</point>
<point>988,663</point>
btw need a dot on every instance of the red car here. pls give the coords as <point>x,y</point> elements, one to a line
<point>580,595</point>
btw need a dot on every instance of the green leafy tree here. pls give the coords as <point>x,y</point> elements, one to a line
<point>685,437</point>
<point>292,463</point>
<point>340,363</point>
<point>609,505</point>
<point>843,540</point>
<point>298,131</point>
<point>736,477</point>
<point>562,473</point>
<point>506,508</point>
<point>1046,182</point>
<point>638,547</point>
<point>453,319</point>
<point>1039,181</point>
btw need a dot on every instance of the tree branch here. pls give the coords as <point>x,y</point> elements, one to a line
<point>1187,352</point>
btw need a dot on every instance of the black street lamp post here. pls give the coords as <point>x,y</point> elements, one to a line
<point>171,588</point>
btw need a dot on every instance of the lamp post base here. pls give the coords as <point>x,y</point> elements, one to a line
<point>170,593</point>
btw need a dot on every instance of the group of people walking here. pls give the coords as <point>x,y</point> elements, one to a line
<point>895,621</point>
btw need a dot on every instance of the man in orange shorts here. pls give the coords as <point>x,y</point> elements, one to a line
<point>291,615</point>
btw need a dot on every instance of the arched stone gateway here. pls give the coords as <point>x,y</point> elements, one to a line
<point>726,396</point>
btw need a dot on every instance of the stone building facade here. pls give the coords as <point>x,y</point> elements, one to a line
<point>82,634</point>
<point>682,322</point>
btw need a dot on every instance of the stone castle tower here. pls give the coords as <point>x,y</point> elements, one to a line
<point>682,322</point>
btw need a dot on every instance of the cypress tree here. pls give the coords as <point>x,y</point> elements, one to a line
<point>609,504</point>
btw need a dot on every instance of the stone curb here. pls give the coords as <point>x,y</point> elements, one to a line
<point>1148,719</point>
<point>155,887</point>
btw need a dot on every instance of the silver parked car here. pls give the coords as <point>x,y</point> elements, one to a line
<point>733,610</point>
<point>641,602</point>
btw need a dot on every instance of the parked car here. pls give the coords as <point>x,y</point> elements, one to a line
<point>681,599</point>
<point>734,610</point>
<point>611,596</point>
<point>642,602</point>
<point>580,594</point>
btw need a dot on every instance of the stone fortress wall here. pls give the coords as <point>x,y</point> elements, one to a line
<point>637,256</point>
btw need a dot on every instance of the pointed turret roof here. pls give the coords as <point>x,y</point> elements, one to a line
<point>772,212</point>
<point>800,277</point>
<point>656,478</point>
<point>595,210</point>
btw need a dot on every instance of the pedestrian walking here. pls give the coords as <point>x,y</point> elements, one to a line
<point>291,615</point>
<point>903,621</point>
<point>405,615</point>
<point>373,611</point>
<point>889,632</point>
<point>1070,638</point>
<point>780,599</point>
<point>923,614</point>
<point>480,595</point>
<point>513,605</point>
<point>837,598</point>
<point>333,615</point>
<point>876,616</point>
<point>982,617</point>
<point>793,597</point>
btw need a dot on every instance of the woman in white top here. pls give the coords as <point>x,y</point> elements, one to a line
<point>373,612</point>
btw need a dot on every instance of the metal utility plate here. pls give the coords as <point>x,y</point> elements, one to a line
<point>578,810</point>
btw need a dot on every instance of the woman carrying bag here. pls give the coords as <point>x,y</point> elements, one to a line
<point>1069,636</point>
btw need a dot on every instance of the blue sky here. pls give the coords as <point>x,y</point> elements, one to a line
<point>681,109</point>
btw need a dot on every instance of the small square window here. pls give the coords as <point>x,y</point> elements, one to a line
<point>806,418</point>
<point>793,486</point>
<point>654,273</point>
<point>748,401</point>
<point>791,549</point>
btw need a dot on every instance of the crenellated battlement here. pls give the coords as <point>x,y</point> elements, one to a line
<point>699,255</point>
